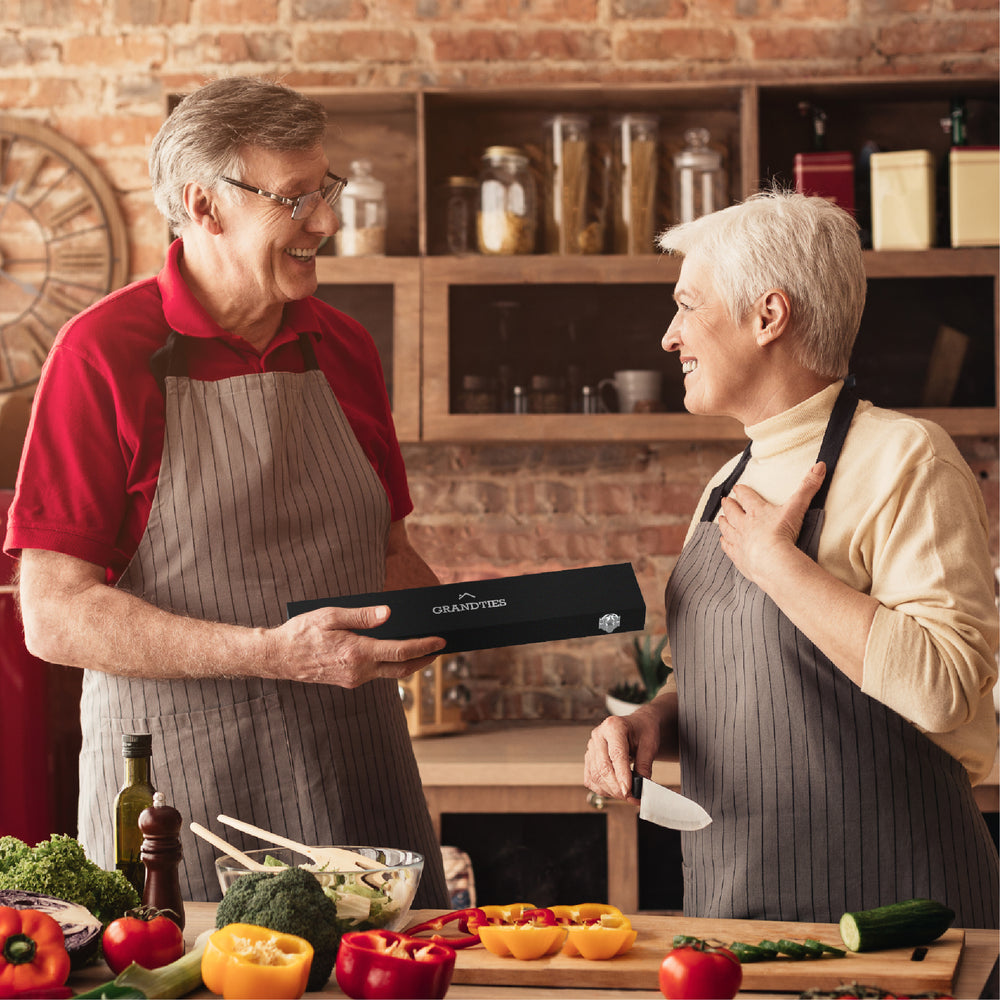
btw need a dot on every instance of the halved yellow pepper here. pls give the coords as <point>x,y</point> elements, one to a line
<point>505,914</point>
<point>609,936</point>
<point>245,962</point>
<point>582,913</point>
<point>520,930</point>
<point>524,941</point>
<point>595,930</point>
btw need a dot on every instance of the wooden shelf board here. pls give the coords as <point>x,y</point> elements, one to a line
<point>579,427</point>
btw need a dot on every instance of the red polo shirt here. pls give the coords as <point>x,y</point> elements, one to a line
<point>92,455</point>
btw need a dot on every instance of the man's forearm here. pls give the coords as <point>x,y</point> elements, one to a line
<point>92,625</point>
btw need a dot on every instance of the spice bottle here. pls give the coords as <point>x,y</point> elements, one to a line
<point>567,168</point>
<point>362,214</point>
<point>636,167</point>
<point>135,795</point>
<point>506,218</point>
<point>161,854</point>
<point>699,182</point>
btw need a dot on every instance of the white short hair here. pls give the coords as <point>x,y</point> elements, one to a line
<point>805,246</point>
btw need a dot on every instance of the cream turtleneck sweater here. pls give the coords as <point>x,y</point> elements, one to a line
<point>905,522</point>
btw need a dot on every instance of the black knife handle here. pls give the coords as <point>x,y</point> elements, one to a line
<point>636,786</point>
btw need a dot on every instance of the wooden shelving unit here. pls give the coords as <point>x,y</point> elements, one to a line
<point>438,308</point>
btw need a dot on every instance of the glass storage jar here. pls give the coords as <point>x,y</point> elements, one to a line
<point>699,180</point>
<point>459,198</point>
<point>567,170</point>
<point>546,395</point>
<point>478,394</point>
<point>362,214</point>
<point>636,170</point>
<point>505,222</point>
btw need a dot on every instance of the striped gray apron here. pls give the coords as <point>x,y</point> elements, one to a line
<point>822,799</point>
<point>264,496</point>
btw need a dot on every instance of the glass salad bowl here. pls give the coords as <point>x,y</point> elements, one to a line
<point>378,897</point>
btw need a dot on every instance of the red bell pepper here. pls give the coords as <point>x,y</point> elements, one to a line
<point>384,965</point>
<point>467,921</point>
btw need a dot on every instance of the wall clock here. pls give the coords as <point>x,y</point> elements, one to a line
<point>63,243</point>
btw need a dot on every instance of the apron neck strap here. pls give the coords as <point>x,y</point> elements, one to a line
<point>829,452</point>
<point>722,490</point>
<point>168,360</point>
<point>833,440</point>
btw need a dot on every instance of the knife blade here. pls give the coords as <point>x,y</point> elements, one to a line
<point>667,808</point>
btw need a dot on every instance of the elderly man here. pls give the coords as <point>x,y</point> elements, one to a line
<point>206,446</point>
<point>831,617</point>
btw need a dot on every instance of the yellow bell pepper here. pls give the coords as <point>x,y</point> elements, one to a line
<point>245,962</point>
<point>520,930</point>
<point>507,914</point>
<point>606,938</point>
<point>582,913</point>
<point>595,930</point>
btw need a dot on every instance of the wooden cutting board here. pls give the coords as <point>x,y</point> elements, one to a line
<point>894,970</point>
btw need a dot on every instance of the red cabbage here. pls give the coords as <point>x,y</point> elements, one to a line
<point>81,929</point>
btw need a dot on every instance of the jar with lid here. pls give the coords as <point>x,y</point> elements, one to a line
<point>699,180</point>
<point>459,197</point>
<point>636,171</point>
<point>362,214</point>
<point>506,219</point>
<point>547,394</point>
<point>567,169</point>
<point>478,394</point>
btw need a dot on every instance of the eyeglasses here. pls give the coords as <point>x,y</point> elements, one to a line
<point>305,204</point>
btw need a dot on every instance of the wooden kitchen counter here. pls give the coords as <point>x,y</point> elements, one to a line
<point>538,768</point>
<point>977,962</point>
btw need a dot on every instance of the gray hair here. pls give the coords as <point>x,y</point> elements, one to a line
<point>204,137</point>
<point>805,246</point>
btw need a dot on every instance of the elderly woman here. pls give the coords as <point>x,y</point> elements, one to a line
<point>206,446</point>
<point>831,617</point>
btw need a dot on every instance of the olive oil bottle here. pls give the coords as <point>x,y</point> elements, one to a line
<point>135,795</point>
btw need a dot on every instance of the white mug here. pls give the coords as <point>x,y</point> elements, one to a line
<point>634,388</point>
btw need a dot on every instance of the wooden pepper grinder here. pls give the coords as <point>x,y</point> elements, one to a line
<point>161,853</point>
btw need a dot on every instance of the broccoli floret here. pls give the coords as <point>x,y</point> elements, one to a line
<point>59,867</point>
<point>290,902</point>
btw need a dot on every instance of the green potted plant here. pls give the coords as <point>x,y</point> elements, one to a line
<point>626,696</point>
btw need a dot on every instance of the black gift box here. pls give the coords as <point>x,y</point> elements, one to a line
<point>510,611</point>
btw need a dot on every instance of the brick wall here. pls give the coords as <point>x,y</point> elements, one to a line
<point>99,72</point>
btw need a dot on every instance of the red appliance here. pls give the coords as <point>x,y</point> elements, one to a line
<point>39,726</point>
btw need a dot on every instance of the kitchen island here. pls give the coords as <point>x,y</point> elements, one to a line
<point>975,961</point>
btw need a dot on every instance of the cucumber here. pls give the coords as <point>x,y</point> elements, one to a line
<point>747,953</point>
<point>899,925</point>
<point>793,949</point>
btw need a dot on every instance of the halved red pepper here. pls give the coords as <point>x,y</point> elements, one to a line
<point>385,965</point>
<point>467,921</point>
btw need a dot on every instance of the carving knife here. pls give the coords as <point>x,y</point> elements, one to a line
<point>667,808</point>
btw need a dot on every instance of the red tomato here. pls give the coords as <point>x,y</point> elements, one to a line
<point>699,971</point>
<point>145,937</point>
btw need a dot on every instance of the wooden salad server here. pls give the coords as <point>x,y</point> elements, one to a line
<point>233,852</point>
<point>334,857</point>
